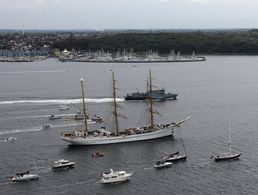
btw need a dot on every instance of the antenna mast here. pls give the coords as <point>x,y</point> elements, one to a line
<point>84,108</point>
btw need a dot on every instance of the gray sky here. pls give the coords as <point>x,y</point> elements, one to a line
<point>128,14</point>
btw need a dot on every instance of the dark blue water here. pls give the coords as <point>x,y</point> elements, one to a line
<point>213,93</point>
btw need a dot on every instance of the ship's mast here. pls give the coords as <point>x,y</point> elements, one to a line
<point>147,84</point>
<point>230,137</point>
<point>115,104</point>
<point>84,108</point>
<point>151,103</point>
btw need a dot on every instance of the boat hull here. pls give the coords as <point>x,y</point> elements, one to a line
<point>68,166</point>
<point>176,158</point>
<point>165,165</point>
<point>116,180</point>
<point>157,98</point>
<point>225,158</point>
<point>118,139</point>
<point>29,177</point>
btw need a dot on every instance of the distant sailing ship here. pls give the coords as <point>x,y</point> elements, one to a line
<point>103,136</point>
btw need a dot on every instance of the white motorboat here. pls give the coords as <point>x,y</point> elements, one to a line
<point>46,126</point>
<point>115,177</point>
<point>53,117</point>
<point>10,139</point>
<point>92,137</point>
<point>97,119</point>
<point>63,107</point>
<point>79,116</point>
<point>63,164</point>
<point>162,164</point>
<point>26,176</point>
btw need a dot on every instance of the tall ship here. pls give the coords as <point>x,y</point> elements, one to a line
<point>103,136</point>
<point>157,95</point>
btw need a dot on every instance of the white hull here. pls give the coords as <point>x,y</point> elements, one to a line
<point>164,165</point>
<point>90,140</point>
<point>67,165</point>
<point>227,156</point>
<point>116,179</point>
<point>26,177</point>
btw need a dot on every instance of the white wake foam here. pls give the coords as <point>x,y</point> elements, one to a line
<point>61,101</point>
<point>32,71</point>
<point>41,128</point>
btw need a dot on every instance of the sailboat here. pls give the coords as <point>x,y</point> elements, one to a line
<point>227,156</point>
<point>176,157</point>
<point>103,136</point>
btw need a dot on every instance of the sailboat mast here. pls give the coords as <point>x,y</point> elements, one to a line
<point>151,103</point>
<point>84,108</point>
<point>115,104</point>
<point>182,140</point>
<point>230,137</point>
<point>147,85</point>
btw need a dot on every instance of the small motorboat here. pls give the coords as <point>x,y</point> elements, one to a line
<point>98,154</point>
<point>53,117</point>
<point>63,107</point>
<point>97,119</point>
<point>46,126</point>
<point>10,139</point>
<point>162,164</point>
<point>25,176</point>
<point>62,164</point>
<point>79,116</point>
<point>226,156</point>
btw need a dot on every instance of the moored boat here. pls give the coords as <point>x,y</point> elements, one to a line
<point>227,155</point>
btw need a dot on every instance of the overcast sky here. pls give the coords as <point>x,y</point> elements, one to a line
<point>128,14</point>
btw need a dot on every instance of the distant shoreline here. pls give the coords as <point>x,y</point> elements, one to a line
<point>163,41</point>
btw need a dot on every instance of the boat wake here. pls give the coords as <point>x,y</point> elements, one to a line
<point>32,71</point>
<point>61,101</point>
<point>36,116</point>
<point>35,129</point>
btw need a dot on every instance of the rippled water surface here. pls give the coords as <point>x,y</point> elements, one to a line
<point>213,93</point>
